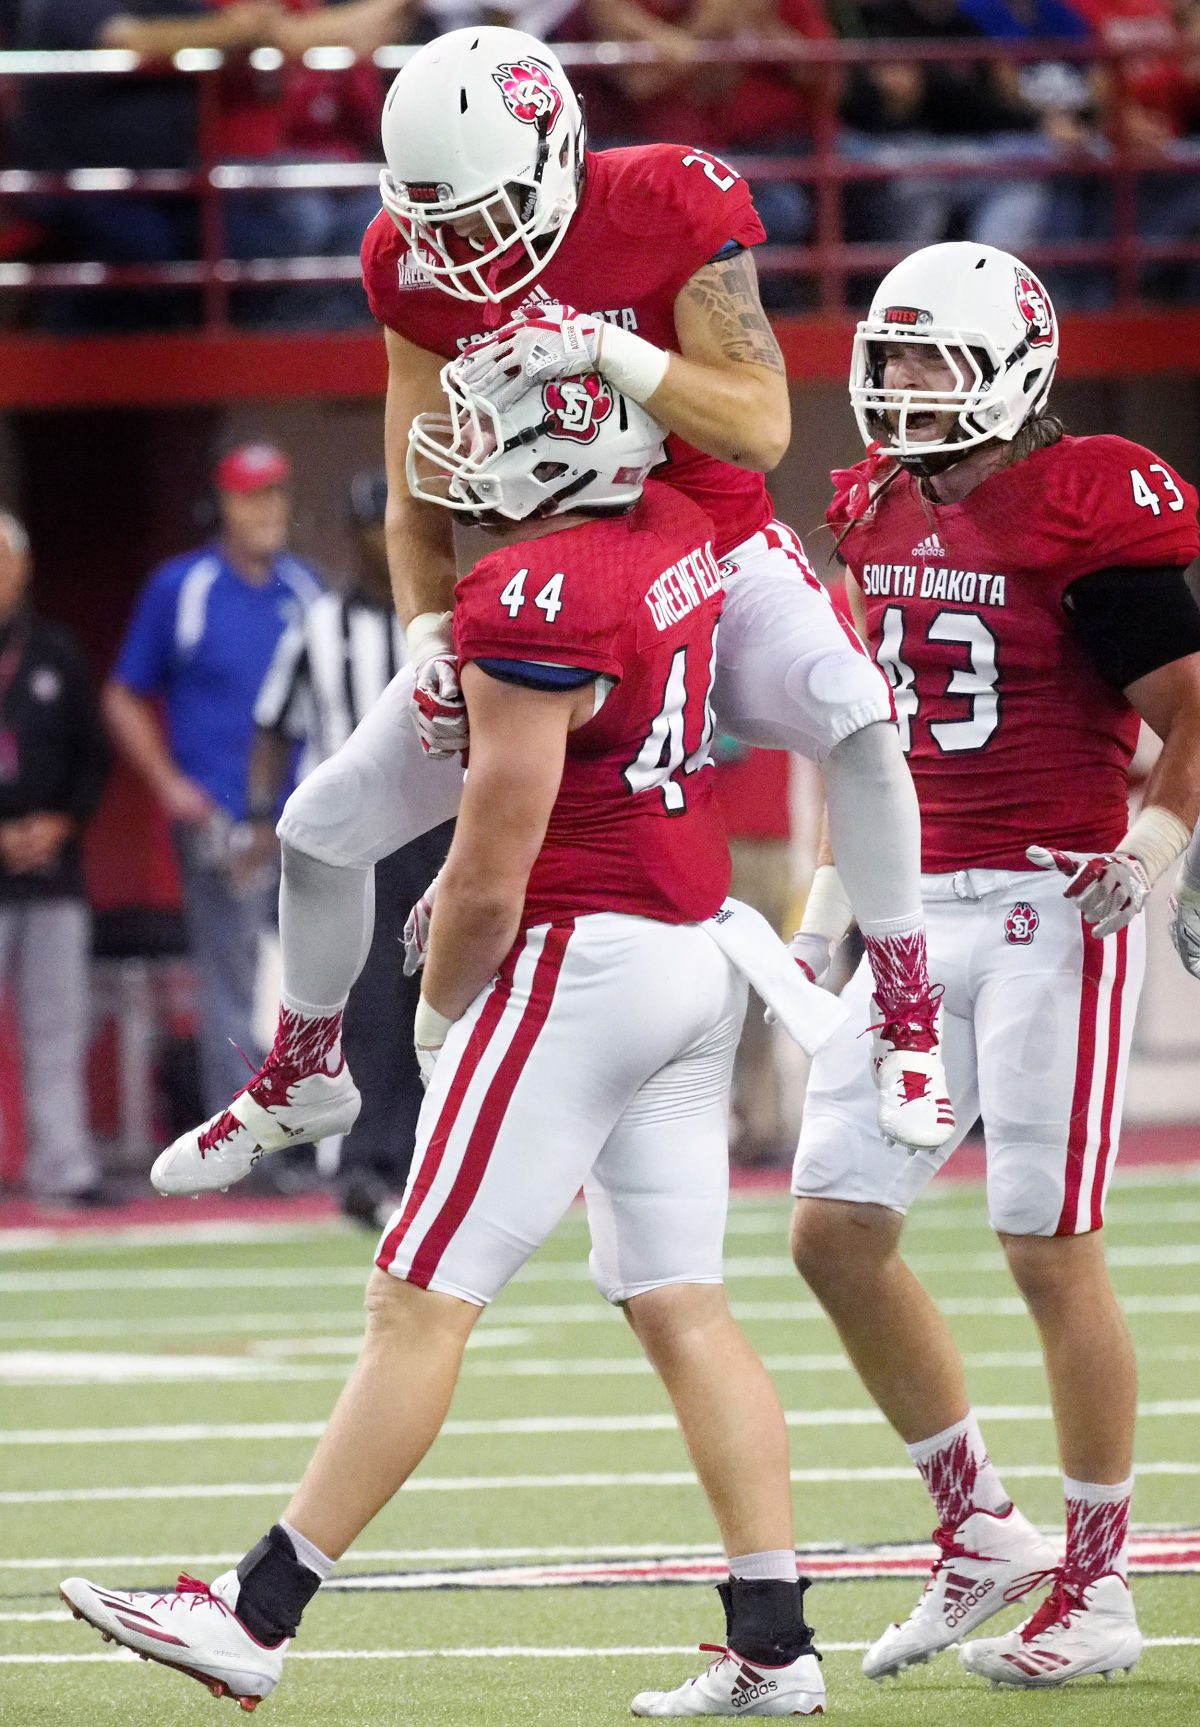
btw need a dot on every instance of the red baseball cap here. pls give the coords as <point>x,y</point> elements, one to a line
<point>252,468</point>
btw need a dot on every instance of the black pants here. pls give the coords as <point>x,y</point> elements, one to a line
<point>378,1023</point>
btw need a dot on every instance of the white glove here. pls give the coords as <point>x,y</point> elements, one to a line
<point>438,710</point>
<point>528,351</point>
<point>416,929</point>
<point>1111,887</point>
<point>429,1034</point>
<point>1184,927</point>
<point>813,953</point>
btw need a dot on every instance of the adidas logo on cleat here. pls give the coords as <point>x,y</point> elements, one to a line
<point>961,1597</point>
<point>750,1686</point>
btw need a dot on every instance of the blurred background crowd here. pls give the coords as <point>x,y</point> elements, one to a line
<point>193,603</point>
<point>929,125</point>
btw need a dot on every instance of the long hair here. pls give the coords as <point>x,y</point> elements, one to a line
<point>1038,433</point>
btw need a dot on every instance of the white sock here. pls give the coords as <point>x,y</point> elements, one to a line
<point>960,1476</point>
<point>875,829</point>
<point>778,1566</point>
<point>307,1552</point>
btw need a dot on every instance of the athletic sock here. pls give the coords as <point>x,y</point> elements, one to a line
<point>777,1566</point>
<point>960,1476</point>
<point>1097,1529</point>
<point>276,1585</point>
<point>898,966</point>
<point>764,1620</point>
<point>308,1041</point>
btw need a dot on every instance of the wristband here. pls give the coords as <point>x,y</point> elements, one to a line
<point>429,633</point>
<point>429,1026</point>
<point>1156,839</point>
<point>827,910</point>
<point>631,364</point>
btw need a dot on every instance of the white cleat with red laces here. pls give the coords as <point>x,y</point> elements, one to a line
<point>193,1628</point>
<point>914,1102</point>
<point>983,1566</point>
<point>1080,1628</point>
<point>281,1106</point>
<point>734,1686</point>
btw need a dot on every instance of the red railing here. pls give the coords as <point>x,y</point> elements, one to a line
<point>829,259</point>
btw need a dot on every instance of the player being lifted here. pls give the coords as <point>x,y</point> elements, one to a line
<point>493,208</point>
<point>1024,592</point>
<point>578,1020</point>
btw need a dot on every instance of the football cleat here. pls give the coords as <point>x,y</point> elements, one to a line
<point>193,1628</point>
<point>282,1105</point>
<point>1079,1628</point>
<point>983,1566</point>
<point>733,1686</point>
<point>914,1102</point>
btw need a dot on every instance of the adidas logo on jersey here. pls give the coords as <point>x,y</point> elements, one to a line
<point>930,547</point>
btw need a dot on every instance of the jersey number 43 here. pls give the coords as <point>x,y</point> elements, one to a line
<point>975,682</point>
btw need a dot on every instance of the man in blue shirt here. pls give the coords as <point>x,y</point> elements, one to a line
<point>202,635</point>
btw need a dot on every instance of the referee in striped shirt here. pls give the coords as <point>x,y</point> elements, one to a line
<point>329,668</point>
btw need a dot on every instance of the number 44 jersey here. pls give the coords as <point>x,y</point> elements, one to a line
<point>1012,733</point>
<point>634,600</point>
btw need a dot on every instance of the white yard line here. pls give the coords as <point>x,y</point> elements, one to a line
<point>193,1432</point>
<point>622,1479</point>
<point>510,1652</point>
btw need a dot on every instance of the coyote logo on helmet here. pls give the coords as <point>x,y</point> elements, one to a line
<point>576,406</point>
<point>529,94</point>
<point>1034,307</point>
<point>1020,924</point>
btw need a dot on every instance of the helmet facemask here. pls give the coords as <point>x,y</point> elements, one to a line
<point>506,153</point>
<point>991,323</point>
<point>572,444</point>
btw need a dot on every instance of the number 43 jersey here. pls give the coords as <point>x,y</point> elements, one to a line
<point>1012,733</point>
<point>634,600</point>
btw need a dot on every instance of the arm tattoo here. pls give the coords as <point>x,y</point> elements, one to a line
<point>726,291</point>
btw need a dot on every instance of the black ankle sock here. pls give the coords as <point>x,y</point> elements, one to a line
<point>275,1588</point>
<point>765,1621</point>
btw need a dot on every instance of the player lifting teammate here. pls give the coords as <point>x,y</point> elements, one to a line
<point>494,208</point>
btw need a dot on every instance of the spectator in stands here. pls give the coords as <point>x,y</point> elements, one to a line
<point>330,667</point>
<point>909,110</point>
<point>297,114</point>
<point>202,636</point>
<point>54,759</point>
<point>1152,103</point>
<point>724,106</point>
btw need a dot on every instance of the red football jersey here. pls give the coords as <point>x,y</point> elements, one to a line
<point>1012,735</point>
<point>635,827</point>
<point>649,218</point>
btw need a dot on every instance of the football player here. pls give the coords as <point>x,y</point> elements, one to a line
<point>578,1021</point>
<point>494,209</point>
<point>1024,592</point>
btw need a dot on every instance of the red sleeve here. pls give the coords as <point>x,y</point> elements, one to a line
<point>382,251</point>
<point>693,197</point>
<point>1111,502</point>
<point>540,601</point>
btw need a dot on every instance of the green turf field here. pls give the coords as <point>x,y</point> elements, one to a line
<point>161,1395</point>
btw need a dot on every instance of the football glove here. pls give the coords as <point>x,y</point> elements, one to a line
<point>1111,887</point>
<point>527,352</point>
<point>813,953</point>
<point>437,707</point>
<point>416,929</point>
<point>1184,927</point>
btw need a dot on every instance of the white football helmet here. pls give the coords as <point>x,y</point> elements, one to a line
<point>989,318</point>
<point>566,444</point>
<point>482,127</point>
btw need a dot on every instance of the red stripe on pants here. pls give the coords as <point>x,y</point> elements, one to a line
<point>491,1113</point>
<point>482,1035</point>
<point>1085,1073</point>
<point>1110,1082</point>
